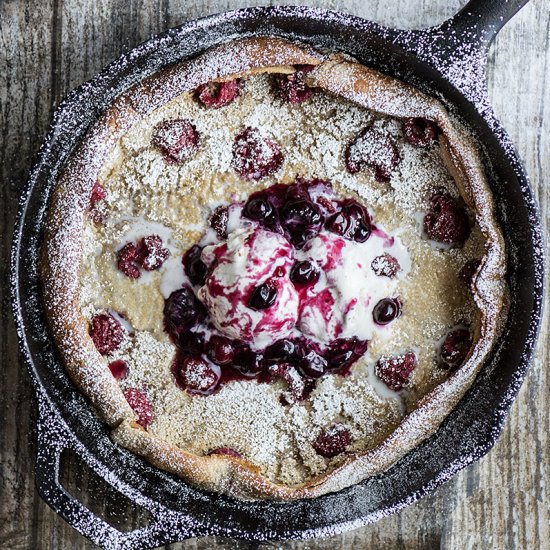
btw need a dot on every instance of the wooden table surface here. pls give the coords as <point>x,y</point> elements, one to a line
<point>50,46</point>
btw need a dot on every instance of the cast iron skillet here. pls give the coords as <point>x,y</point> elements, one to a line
<point>447,61</point>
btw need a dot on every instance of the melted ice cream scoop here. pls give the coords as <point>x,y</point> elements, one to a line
<point>340,304</point>
<point>250,261</point>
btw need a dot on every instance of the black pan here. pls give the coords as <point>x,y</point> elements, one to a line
<point>447,61</point>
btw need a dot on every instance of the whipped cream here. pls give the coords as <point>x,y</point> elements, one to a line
<point>250,257</point>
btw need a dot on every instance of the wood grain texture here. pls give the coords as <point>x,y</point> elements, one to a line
<point>50,46</point>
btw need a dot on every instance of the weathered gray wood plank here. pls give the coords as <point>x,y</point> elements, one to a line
<point>25,108</point>
<point>50,46</point>
<point>506,500</point>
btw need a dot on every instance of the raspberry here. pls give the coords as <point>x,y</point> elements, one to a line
<point>147,253</point>
<point>374,149</point>
<point>106,332</point>
<point>455,348</point>
<point>214,95</point>
<point>385,265</point>
<point>129,260</point>
<point>332,441</point>
<point>98,194</point>
<point>298,386</point>
<point>140,405</point>
<point>254,156</point>
<point>395,370</point>
<point>176,139</point>
<point>119,369</point>
<point>292,87</point>
<point>468,271</point>
<point>227,451</point>
<point>218,221</point>
<point>446,221</point>
<point>152,252</point>
<point>198,376</point>
<point>420,132</point>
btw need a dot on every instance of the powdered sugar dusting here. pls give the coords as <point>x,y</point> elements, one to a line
<point>137,179</point>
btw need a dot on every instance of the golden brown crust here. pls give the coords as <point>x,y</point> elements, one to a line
<point>60,268</point>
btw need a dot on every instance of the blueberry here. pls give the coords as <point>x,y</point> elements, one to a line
<point>313,365</point>
<point>362,232</point>
<point>300,211</point>
<point>339,223</point>
<point>386,310</point>
<point>352,221</point>
<point>220,350</point>
<point>262,297</point>
<point>194,267</point>
<point>258,209</point>
<point>344,352</point>
<point>247,361</point>
<point>191,343</point>
<point>182,310</point>
<point>304,273</point>
<point>282,351</point>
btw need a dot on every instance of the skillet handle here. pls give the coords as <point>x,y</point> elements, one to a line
<point>54,437</point>
<point>458,47</point>
<point>483,19</point>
